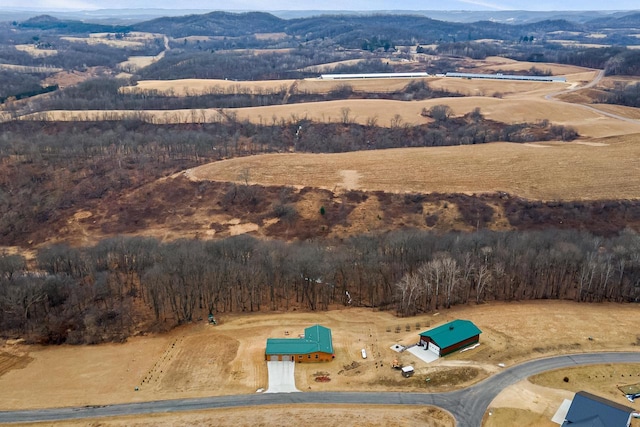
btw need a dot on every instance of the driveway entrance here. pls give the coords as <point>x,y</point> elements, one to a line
<point>423,354</point>
<point>281,377</point>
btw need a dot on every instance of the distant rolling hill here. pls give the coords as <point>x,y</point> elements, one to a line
<point>344,27</point>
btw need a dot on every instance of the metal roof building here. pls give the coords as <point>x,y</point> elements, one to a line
<point>594,411</point>
<point>450,337</point>
<point>317,345</point>
<point>507,77</point>
<point>373,76</point>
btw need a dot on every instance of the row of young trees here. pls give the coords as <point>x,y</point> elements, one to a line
<point>108,291</point>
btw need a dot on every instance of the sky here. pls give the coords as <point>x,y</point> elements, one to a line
<point>360,5</point>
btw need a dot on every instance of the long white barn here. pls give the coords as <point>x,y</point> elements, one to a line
<point>507,77</point>
<point>373,76</point>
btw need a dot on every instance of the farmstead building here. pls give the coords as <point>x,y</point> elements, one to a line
<point>450,337</point>
<point>315,346</point>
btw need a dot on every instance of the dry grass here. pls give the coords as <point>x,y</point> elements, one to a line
<point>9,362</point>
<point>557,171</point>
<point>534,401</point>
<point>621,110</point>
<point>281,415</point>
<point>270,36</point>
<point>27,69</point>
<point>602,380</point>
<point>501,417</point>
<point>202,360</point>
<point>101,40</point>
<point>329,66</point>
<point>191,39</point>
<point>184,87</point>
<point>573,43</point>
<point>517,101</point>
<point>34,51</point>
<point>508,110</point>
<point>151,116</point>
<point>137,62</point>
<point>496,63</point>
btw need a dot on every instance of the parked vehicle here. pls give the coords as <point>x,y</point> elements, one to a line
<point>407,371</point>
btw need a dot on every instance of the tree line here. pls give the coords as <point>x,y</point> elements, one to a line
<point>105,93</point>
<point>623,94</point>
<point>126,284</point>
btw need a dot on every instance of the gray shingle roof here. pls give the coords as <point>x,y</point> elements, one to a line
<point>589,410</point>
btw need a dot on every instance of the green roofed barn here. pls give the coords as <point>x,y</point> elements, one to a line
<point>316,346</point>
<point>450,337</point>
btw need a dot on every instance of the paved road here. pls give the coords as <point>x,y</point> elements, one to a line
<point>467,406</point>
<point>592,83</point>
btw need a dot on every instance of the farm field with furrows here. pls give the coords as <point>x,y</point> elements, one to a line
<point>155,173</point>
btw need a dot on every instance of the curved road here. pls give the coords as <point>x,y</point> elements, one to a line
<point>592,83</point>
<point>467,405</point>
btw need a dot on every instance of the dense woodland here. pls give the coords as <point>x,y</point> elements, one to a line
<point>127,285</point>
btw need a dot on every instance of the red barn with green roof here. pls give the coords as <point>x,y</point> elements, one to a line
<point>316,346</point>
<point>450,337</point>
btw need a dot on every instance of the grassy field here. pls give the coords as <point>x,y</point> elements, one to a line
<point>202,360</point>
<point>604,169</point>
<point>281,415</point>
<point>533,402</point>
<point>35,51</point>
<point>588,123</point>
<point>507,102</point>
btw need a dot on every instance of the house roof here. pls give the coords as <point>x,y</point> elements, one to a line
<point>451,333</point>
<point>321,335</point>
<point>588,410</point>
<point>316,338</point>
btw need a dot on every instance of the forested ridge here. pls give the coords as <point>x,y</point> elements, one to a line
<point>51,170</point>
<point>127,285</point>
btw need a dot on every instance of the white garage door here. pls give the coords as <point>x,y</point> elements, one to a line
<point>434,348</point>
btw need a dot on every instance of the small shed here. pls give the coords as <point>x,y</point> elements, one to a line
<point>315,346</point>
<point>452,336</point>
<point>590,410</point>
